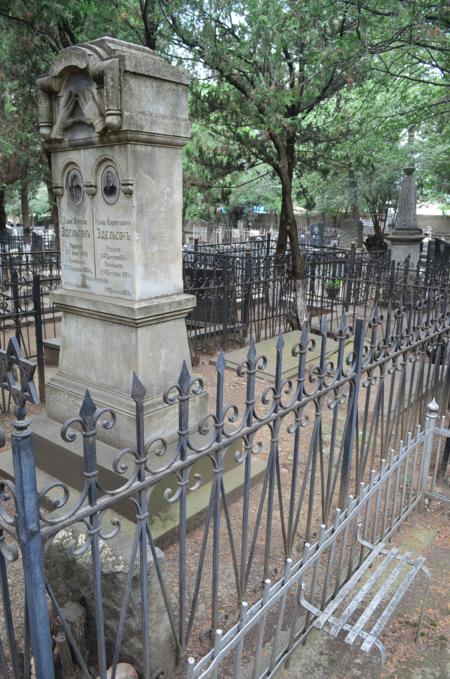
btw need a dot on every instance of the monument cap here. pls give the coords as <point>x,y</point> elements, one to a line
<point>86,96</point>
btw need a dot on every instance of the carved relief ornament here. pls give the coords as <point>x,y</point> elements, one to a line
<point>82,87</point>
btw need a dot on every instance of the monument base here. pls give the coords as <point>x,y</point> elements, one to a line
<point>105,340</point>
<point>406,243</point>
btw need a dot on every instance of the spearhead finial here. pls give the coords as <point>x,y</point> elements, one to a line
<point>280,343</point>
<point>138,390</point>
<point>88,407</point>
<point>184,379</point>
<point>251,354</point>
<point>220,363</point>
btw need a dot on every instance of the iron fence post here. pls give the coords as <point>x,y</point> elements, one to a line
<point>430,425</point>
<point>350,425</point>
<point>37,311</point>
<point>226,301</point>
<point>16,303</point>
<point>349,276</point>
<point>31,546</point>
<point>247,287</point>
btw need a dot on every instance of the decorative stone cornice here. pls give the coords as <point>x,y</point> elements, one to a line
<point>124,312</point>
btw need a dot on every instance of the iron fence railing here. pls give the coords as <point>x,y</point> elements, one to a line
<point>321,434</point>
<point>26,311</point>
<point>34,241</point>
<point>243,294</point>
<point>45,263</point>
<point>244,291</point>
<point>275,625</point>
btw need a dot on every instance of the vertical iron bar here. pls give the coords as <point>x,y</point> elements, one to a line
<point>37,311</point>
<point>31,544</point>
<point>87,415</point>
<point>350,426</point>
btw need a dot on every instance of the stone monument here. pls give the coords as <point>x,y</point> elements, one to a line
<point>406,237</point>
<point>114,118</point>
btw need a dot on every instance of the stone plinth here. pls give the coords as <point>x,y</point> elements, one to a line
<point>114,118</point>
<point>406,244</point>
<point>104,340</point>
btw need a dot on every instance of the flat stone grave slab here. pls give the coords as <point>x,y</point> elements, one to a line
<point>267,348</point>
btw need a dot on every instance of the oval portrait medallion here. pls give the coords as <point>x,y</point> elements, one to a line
<point>110,185</point>
<point>75,187</point>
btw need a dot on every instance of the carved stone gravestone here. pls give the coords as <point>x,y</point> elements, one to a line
<point>114,118</point>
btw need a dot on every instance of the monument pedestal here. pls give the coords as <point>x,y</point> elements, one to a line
<point>104,341</point>
<point>406,243</point>
<point>114,119</point>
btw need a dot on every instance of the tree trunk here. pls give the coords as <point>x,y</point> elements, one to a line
<point>282,228</point>
<point>288,226</point>
<point>25,205</point>
<point>50,194</point>
<point>376,242</point>
<point>53,210</point>
<point>2,209</point>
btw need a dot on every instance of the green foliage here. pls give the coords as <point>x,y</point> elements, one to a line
<point>320,92</point>
<point>334,283</point>
<point>307,101</point>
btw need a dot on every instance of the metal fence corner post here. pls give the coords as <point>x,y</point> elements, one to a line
<point>31,546</point>
<point>430,425</point>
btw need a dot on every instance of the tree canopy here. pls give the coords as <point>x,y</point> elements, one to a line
<point>318,98</point>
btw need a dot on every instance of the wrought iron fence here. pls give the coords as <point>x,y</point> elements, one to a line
<point>243,294</point>
<point>243,291</point>
<point>35,241</point>
<point>322,434</point>
<point>326,566</point>
<point>26,311</point>
<point>45,263</point>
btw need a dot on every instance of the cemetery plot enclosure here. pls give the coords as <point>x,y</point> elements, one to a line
<point>246,291</point>
<point>243,291</point>
<point>26,280</point>
<point>342,443</point>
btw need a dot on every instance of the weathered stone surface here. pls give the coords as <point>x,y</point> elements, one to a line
<point>105,107</point>
<point>71,578</point>
<point>123,671</point>
<point>114,118</point>
<point>351,232</point>
<point>75,616</point>
<point>406,237</point>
